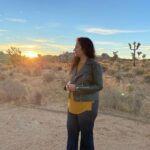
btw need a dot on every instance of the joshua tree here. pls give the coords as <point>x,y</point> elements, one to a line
<point>135,47</point>
<point>115,57</point>
<point>132,55</point>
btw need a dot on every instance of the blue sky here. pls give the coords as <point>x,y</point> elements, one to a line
<point>52,26</point>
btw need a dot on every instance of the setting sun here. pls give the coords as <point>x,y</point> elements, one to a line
<point>31,54</point>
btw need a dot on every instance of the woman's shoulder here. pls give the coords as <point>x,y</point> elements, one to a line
<point>94,62</point>
<point>96,65</point>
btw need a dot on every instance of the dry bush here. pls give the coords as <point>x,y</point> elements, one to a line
<point>126,67</point>
<point>35,97</point>
<point>105,66</point>
<point>13,90</point>
<point>138,71</point>
<point>59,68</point>
<point>3,96</point>
<point>48,76</point>
<point>36,72</point>
<point>147,70</point>
<point>11,74</point>
<point>111,72</point>
<point>26,71</point>
<point>147,78</point>
<point>118,76</point>
<point>24,80</point>
<point>5,67</point>
<point>145,109</point>
<point>129,74</point>
<point>2,76</point>
<point>38,98</point>
<point>146,64</point>
<point>122,97</point>
<point>31,71</point>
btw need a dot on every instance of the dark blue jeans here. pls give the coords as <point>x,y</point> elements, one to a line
<point>83,123</point>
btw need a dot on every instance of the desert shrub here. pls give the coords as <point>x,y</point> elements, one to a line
<point>118,76</point>
<point>11,74</point>
<point>3,96</point>
<point>147,78</point>
<point>37,98</point>
<point>13,90</point>
<point>14,55</point>
<point>48,76</point>
<point>111,72</point>
<point>125,67</point>
<point>121,97</point>
<point>24,80</point>
<point>113,98</point>
<point>5,67</point>
<point>130,88</point>
<point>59,68</point>
<point>139,71</point>
<point>36,72</point>
<point>145,109</point>
<point>104,68</point>
<point>2,76</point>
<point>129,74</point>
<point>26,71</point>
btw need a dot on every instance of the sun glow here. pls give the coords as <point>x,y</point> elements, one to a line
<point>30,54</point>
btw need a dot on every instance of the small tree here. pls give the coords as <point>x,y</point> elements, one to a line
<point>15,55</point>
<point>139,53</point>
<point>143,56</point>
<point>39,55</point>
<point>135,47</point>
<point>1,53</point>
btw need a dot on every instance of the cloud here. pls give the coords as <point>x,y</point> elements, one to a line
<point>3,30</point>
<point>49,25</point>
<point>39,27</point>
<point>54,24</point>
<point>18,45</point>
<point>108,43</point>
<point>17,20</point>
<point>145,47</point>
<point>39,40</point>
<point>103,31</point>
<point>60,47</point>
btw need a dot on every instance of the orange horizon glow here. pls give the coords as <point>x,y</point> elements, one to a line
<point>31,54</point>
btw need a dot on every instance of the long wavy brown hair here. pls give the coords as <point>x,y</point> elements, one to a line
<point>88,49</point>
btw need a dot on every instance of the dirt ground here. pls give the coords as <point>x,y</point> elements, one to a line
<point>36,128</point>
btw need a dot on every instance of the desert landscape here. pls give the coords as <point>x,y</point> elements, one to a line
<point>38,43</point>
<point>33,103</point>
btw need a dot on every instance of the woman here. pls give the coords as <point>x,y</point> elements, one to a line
<point>83,98</point>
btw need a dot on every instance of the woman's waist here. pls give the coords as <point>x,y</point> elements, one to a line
<point>84,97</point>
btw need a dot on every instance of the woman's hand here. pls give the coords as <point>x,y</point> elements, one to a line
<point>71,87</point>
<point>67,85</point>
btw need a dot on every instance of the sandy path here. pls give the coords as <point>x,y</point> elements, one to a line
<point>25,128</point>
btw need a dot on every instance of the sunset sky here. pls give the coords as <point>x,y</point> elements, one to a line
<point>52,26</point>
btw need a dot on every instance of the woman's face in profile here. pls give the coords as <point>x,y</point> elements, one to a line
<point>78,50</point>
